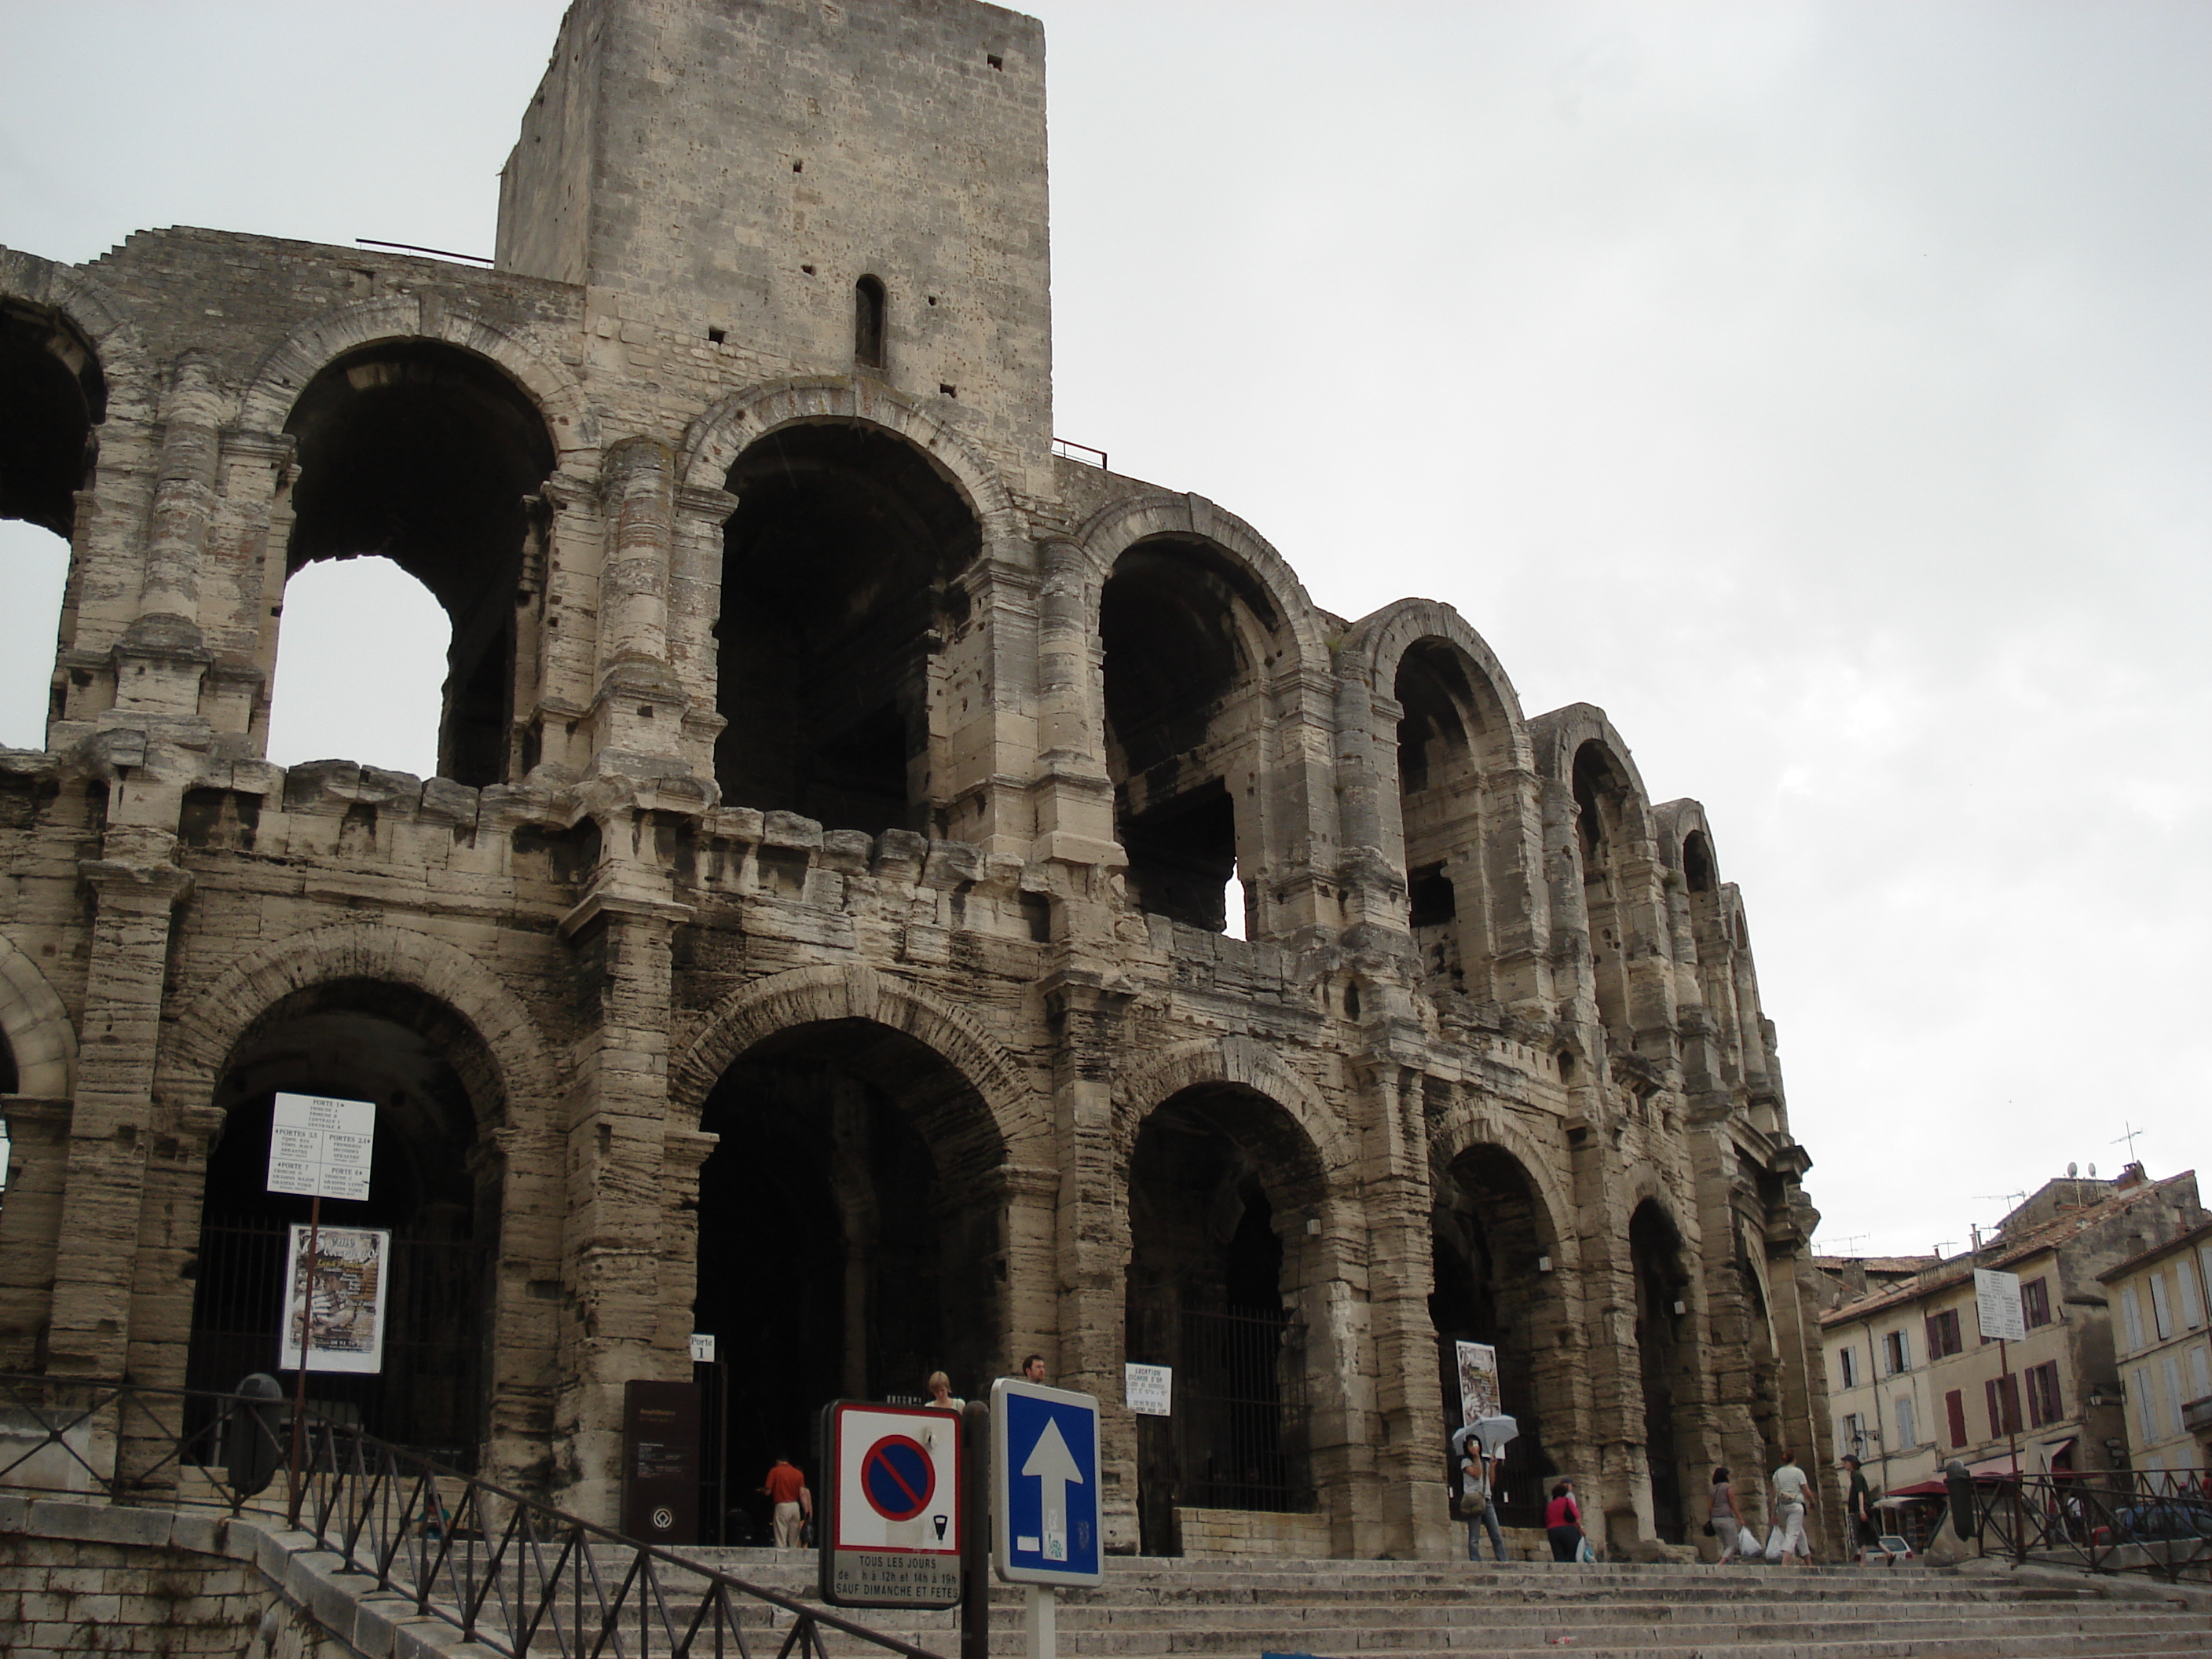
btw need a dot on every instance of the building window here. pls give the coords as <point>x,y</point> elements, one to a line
<point>2199,1366</point>
<point>1847,1361</point>
<point>2132,1316</point>
<point>2161,1311</point>
<point>2193,1305</point>
<point>2173,1368</point>
<point>2003,1397</point>
<point>2146,1404</point>
<point>1908,1434</point>
<point>1897,1351</point>
<point>1942,1334</point>
<point>868,322</point>
<point>2042,1403</point>
<point>1954,1407</point>
<point>1850,1440</point>
<point>2035,1302</point>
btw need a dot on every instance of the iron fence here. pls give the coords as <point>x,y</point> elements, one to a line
<point>506,1571</point>
<point>1240,1417</point>
<point>2153,1522</point>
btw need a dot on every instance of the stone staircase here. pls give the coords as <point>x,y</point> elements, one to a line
<point>1382,1609</point>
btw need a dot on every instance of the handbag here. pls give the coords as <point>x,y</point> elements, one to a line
<point>1708,1529</point>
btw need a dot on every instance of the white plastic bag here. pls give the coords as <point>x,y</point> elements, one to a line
<point>1774,1544</point>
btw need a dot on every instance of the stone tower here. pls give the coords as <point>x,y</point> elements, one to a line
<point>819,933</point>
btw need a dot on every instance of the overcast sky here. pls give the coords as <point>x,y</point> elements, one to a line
<point>1822,390</point>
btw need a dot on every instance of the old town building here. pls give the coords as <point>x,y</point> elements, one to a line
<point>2162,1338</point>
<point>1913,1382</point>
<point>816,935</point>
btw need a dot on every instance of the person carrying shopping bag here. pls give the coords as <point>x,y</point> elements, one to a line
<point>1563,1523</point>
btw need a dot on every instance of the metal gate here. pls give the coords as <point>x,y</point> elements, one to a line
<point>1236,1438</point>
<point>428,1394</point>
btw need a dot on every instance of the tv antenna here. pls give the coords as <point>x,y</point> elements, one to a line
<point>2129,1137</point>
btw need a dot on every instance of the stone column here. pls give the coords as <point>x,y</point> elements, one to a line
<point>617,1133</point>
<point>1072,800</point>
<point>136,888</point>
<point>1087,1015</point>
<point>184,494</point>
<point>638,708</point>
<point>1394,1180</point>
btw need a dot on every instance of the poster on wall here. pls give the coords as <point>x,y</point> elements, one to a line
<point>1477,1381</point>
<point>345,1318</point>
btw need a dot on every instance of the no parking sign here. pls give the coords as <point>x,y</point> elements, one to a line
<point>891,1535</point>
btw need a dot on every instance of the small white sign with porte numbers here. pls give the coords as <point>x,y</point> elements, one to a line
<point>1996,1303</point>
<point>320,1148</point>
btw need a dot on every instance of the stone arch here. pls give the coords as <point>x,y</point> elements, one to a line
<point>37,1027</point>
<point>1114,528</point>
<point>1478,1122</point>
<point>288,369</point>
<point>1378,642</point>
<point>808,996</point>
<point>732,424</point>
<point>87,302</point>
<point>1243,1061</point>
<point>1679,822</point>
<point>1558,737</point>
<point>211,1027</point>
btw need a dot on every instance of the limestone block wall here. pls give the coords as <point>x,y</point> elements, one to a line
<point>821,926</point>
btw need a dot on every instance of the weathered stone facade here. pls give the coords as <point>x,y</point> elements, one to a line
<point>817,934</point>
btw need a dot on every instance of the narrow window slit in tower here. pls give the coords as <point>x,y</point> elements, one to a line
<point>716,336</point>
<point>946,390</point>
<point>994,60</point>
<point>868,322</point>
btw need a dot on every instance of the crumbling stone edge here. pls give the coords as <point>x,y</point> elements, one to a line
<point>372,1623</point>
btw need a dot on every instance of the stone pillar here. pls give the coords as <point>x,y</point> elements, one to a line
<point>1394,1179</point>
<point>1087,1015</point>
<point>136,888</point>
<point>1072,800</point>
<point>184,494</point>
<point>616,1165</point>
<point>638,707</point>
<point>695,611</point>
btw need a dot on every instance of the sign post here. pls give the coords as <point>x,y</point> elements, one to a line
<point>1997,1306</point>
<point>891,1535</point>
<point>317,1148</point>
<point>1045,1518</point>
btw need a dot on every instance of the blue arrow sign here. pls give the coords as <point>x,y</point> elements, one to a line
<point>1044,1478</point>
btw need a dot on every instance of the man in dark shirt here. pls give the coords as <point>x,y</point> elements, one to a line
<point>1859,1506</point>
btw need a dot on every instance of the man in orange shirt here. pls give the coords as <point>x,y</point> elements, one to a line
<point>786,1489</point>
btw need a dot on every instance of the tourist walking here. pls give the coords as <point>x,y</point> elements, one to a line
<point>1563,1522</point>
<point>1725,1521</point>
<point>1790,1486</point>
<point>785,1488</point>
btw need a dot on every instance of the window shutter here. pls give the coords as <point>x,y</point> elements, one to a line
<point>2192,1306</point>
<point>2161,1316</point>
<point>2132,1316</point>
<point>1954,1405</point>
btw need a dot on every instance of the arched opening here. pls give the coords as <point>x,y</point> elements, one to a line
<point>868,323</point>
<point>430,457</point>
<point>850,1241</point>
<point>839,590</point>
<point>1601,794</point>
<point>52,400</point>
<point>1222,1185</point>
<point>1440,739</point>
<point>1494,1253</point>
<point>434,1185</point>
<point>359,665</point>
<point>1186,631</point>
<point>1698,862</point>
<point>1663,1351</point>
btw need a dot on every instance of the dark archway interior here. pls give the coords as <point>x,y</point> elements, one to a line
<point>1439,777</point>
<point>431,1186</point>
<point>51,398</point>
<point>10,1079</point>
<point>430,457</point>
<point>1698,862</point>
<point>850,1242</point>
<point>1655,1250</point>
<point>838,590</point>
<point>1488,1240</point>
<point>1205,1295</point>
<point>1174,661</point>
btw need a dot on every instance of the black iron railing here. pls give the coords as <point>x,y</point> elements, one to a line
<point>2150,1522</point>
<point>505,1569</point>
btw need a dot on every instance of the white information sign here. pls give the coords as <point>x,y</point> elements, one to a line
<point>1996,1302</point>
<point>702,1348</point>
<point>345,1310</point>
<point>320,1148</point>
<point>1148,1389</point>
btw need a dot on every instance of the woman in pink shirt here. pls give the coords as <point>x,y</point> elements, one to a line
<point>1563,1522</point>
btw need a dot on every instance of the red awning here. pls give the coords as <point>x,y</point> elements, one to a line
<point>1992,1469</point>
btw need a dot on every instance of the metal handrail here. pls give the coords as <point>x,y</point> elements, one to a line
<point>503,1569</point>
<point>2154,1521</point>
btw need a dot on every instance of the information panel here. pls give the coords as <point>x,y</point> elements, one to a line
<point>1149,1390</point>
<point>320,1148</point>
<point>343,1292</point>
<point>891,1535</point>
<point>1996,1303</point>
